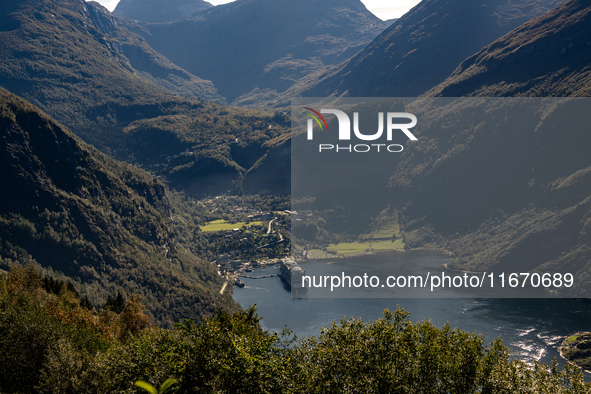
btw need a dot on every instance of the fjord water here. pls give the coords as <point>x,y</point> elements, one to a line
<point>532,328</point>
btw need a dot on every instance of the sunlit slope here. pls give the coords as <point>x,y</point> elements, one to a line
<point>102,223</point>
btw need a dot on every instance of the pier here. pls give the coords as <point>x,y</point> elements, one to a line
<point>257,277</point>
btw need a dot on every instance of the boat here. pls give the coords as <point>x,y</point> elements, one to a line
<point>291,273</point>
<point>238,282</point>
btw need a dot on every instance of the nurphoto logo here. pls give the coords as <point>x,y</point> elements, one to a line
<point>391,119</point>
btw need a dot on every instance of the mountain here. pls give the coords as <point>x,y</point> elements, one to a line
<point>78,63</point>
<point>421,49</point>
<point>204,149</point>
<point>68,57</point>
<point>253,49</point>
<point>548,56</point>
<point>159,11</point>
<point>502,197</point>
<point>103,224</point>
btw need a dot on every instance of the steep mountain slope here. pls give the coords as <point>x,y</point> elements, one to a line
<point>203,149</point>
<point>158,11</point>
<point>421,49</point>
<point>69,56</point>
<point>103,223</point>
<point>77,62</point>
<point>504,197</point>
<point>548,56</point>
<point>257,48</point>
<point>417,52</point>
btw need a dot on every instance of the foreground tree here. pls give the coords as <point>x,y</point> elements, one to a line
<point>393,355</point>
<point>51,344</point>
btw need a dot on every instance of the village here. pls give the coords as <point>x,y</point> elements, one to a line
<point>261,240</point>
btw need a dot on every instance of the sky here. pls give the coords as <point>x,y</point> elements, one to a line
<point>384,9</point>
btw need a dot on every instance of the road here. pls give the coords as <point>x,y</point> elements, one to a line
<point>269,229</point>
<point>269,232</point>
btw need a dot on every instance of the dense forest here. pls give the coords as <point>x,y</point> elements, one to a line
<point>52,342</point>
<point>105,225</point>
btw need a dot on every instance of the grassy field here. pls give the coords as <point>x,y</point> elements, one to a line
<point>572,338</point>
<point>353,248</point>
<point>379,240</point>
<point>384,231</point>
<point>222,225</point>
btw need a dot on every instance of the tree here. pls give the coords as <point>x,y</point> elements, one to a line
<point>231,354</point>
<point>133,319</point>
<point>392,355</point>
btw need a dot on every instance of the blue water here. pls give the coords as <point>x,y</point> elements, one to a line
<point>531,328</point>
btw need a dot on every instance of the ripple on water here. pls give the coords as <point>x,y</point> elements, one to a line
<point>524,332</point>
<point>551,340</point>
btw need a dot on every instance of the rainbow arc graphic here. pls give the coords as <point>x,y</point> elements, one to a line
<point>316,115</point>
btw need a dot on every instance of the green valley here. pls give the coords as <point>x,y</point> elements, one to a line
<point>385,236</point>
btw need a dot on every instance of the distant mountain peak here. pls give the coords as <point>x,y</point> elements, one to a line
<point>422,48</point>
<point>159,11</point>
<point>252,49</point>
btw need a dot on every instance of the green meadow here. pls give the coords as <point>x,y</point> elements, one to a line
<point>385,236</point>
<point>572,338</point>
<point>223,225</point>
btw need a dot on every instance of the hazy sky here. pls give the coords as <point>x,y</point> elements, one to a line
<point>385,9</point>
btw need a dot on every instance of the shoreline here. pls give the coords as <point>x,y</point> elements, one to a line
<point>564,344</point>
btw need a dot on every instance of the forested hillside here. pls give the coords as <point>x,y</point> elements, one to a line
<point>105,224</point>
<point>77,62</point>
<point>70,56</point>
<point>548,56</point>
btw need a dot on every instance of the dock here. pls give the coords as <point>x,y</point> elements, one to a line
<point>257,277</point>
